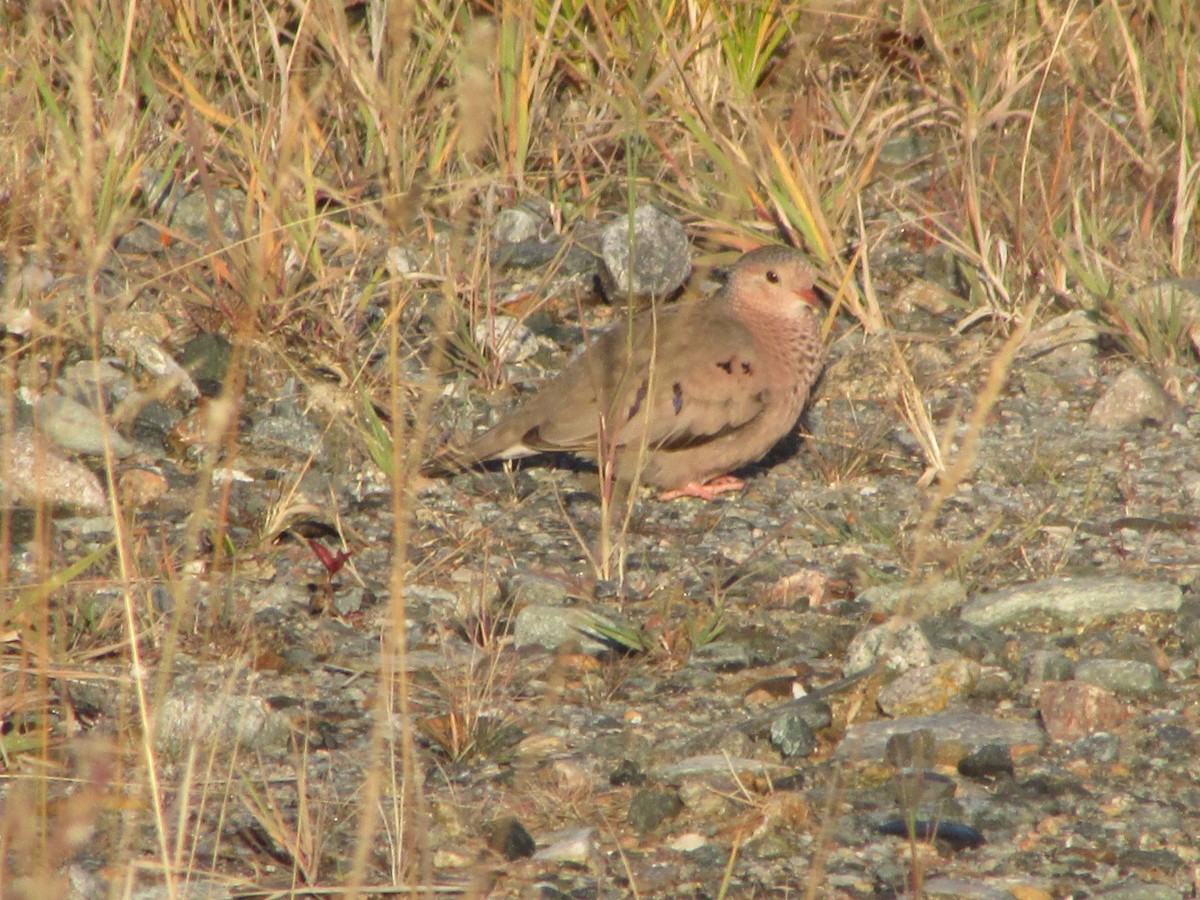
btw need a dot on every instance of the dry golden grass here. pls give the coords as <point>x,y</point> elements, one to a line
<point>1051,148</point>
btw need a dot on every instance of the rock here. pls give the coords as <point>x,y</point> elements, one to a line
<point>988,762</point>
<point>32,474</point>
<point>552,627</point>
<point>896,646</point>
<point>1073,600</point>
<point>517,224</point>
<point>688,843</point>
<point>1125,677</point>
<point>1134,399</point>
<point>967,889</point>
<point>915,600</point>
<point>506,339</point>
<point>1132,889</point>
<point>650,808</point>
<point>508,837</point>
<point>207,357</point>
<point>949,632</point>
<point>283,426</point>
<point>957,733</point>
<point>717,763</point>
<point>576,846</point>
<point>140,487</point>
<point>1072,710</point>
<point>722,656</point>
<point>188,716</point>
<point>928,688</point>
<point>76,427</point>
<point>192,215</point>
<point>1070,329</point>
<point>652,262</point>
<point>1049,665</point>
<point>627,772</point>
<point>792,736</point>
<point>530,589</point>
<point>130,337</point>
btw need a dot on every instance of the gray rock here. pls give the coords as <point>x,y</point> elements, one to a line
<point>534,253</point>
<point>928,688</point>
<point>1138,890</point>
<point>792,736</point>
<point>206,357</point>
<point>1134,399</point>
<point>653,261</point>
<point>510,839</point>
<point>915,600</point>
<point>1070,330</point>
<point>897,646</point>
<point>154,422</point>
<point>284,427</point>
<point>1102,747</point>
<point>506,339</point>
<point>722,656</point>
<point>1049,665</point>
<point>192,889</point>
<point>575,845</point>
<point>85,379</point>
<point>968,730</point>
<point>949,632</point>
<point>189,715</point>
<point>537,590</point>
<point>1073,600</point>
<point>965,889</point>
<point>151,356</point>
<point>716,764</point>
<point>1125,677</point>
<point>650,808</point>
<point>32,474</point>
<point>401,261</point>
<point>76,427</point>
<point>553,626</point>
<point>191,215</point>
<point>350,599</point>
<point>517,224</point>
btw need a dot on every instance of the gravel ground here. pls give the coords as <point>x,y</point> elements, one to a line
<point>837,683</point>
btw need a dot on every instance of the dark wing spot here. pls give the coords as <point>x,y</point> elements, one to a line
<point>637,402</point>
<point>726,367</point>
<point>677,397</point>
<point>747,368</point>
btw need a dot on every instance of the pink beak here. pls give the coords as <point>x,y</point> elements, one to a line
<point>809,296</point>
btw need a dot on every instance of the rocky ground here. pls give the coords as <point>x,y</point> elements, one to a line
<point>841,682</point>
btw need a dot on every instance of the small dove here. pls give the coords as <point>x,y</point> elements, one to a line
<point>679,397</point>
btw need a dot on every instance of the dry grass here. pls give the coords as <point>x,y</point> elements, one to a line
<point>1051,147</point>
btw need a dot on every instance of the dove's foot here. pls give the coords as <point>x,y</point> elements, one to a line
<point>722,484</point>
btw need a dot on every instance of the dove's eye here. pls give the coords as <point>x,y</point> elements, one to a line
<point>772,276</point>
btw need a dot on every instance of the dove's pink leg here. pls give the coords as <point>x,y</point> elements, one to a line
<point>722,484</point>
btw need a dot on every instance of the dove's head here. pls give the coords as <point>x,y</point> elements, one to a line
<point>774,279</point>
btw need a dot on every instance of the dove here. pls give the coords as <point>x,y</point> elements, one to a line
<point>679,397</point>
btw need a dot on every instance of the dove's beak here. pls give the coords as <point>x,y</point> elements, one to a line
<point>809,296</point>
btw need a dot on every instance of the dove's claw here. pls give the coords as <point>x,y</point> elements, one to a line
<point>722,484</point>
